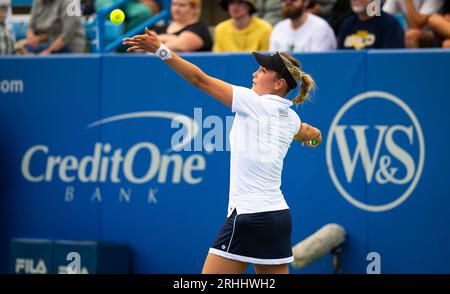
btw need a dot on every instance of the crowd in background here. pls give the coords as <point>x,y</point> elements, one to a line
<point>253,25</point>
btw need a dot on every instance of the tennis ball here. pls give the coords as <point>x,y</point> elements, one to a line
<point>117,16</point>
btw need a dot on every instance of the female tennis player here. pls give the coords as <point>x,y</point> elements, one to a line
<point>257,229</point>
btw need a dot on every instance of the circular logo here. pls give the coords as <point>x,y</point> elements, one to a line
<point>370,157</point>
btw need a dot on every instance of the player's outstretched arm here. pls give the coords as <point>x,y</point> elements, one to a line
<point>150,42</point>
<point>308,133</point>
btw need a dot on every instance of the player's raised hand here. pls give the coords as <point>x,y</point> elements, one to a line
<point>148,42</point>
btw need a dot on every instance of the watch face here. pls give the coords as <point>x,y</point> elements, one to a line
<point>163,53</point>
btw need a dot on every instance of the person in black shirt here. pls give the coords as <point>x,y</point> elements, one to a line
<point>363,31</point>
<point>185,33</point>
<point>340,11</point>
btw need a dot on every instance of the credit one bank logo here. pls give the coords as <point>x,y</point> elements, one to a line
<point>112,164</point>
<point>375,151</point>
<point>11,86</point>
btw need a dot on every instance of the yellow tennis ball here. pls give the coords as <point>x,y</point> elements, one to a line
<point>117,16</point>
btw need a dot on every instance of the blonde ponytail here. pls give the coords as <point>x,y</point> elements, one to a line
<point>307,82</point>
<point>307,85</point>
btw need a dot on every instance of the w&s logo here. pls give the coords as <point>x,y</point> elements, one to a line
<point>375,151</point>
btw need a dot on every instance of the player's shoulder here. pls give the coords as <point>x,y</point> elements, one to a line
<point>244,93</point>
<point>244,90</point>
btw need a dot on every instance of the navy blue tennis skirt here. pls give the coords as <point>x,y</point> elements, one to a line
<point>258,238</point>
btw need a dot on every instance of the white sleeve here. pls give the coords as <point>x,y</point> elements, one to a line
<point>430,6</point>
<point>391,7</point>
<point>246,102</point>
<point>298,122</point>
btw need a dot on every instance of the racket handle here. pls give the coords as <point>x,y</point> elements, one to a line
<point>313,142</point>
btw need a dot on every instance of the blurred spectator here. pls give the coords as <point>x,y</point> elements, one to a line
<point>322,8</point>
<point>416,13</point>
<point>136,11</point>
<point>361,31</point>
<point>242,31</point>
<point>340,11</point>
<point>186,32</point>
<point>52,30</point>
<point>104,3</point>
<point>88,7</point>
<point>9,21</point>
<point>301,31</point>
<point>269,10</point>
<point>440,25</point>
<point>6,38</point>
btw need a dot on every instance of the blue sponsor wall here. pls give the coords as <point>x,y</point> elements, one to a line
<point>86,155</point>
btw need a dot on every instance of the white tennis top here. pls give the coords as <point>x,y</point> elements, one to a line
<point>263,130</point>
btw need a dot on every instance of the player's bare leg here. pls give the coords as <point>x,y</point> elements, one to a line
<point>271,269</point>
<point>215,264</point>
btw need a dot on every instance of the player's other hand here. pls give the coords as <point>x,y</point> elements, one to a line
<point>148,42</point>
<point>309,142</point>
